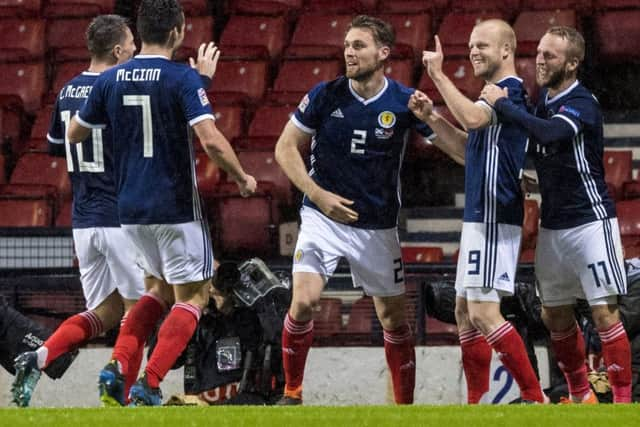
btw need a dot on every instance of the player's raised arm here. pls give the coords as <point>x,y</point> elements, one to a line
<point>289,158</point>
<point>469,114</point>
<point>218,149</point>
<point>449,138</point>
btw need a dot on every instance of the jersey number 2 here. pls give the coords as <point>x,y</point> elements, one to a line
<point>358,140</point>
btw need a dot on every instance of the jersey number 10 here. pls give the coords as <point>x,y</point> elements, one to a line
<point>97,165</point>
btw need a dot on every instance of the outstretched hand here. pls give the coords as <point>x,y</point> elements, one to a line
<point>491,93</point>
<point>432,60</point>
<point>207,62</point>
<point>420,105</point>
<point>334,206</point>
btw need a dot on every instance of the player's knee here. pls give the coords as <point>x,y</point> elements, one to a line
<point>558,319</point>
<point>605,316</point>
<point>302,308</point>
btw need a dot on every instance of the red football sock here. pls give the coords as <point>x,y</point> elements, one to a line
<point>616,353</point>
<point>173,337</point>
<point>141,320</point>
<point>134,364</point>
<point>71,334</point>
<point>296,341</point>
<point>476,361</point>
<point>506,341</point>
<point>568,346</point>
<point>401,359</point>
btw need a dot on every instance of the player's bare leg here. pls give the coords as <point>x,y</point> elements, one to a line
<point>398,346</point>
<point>505,340</point>
<point>476,354</point>
<point>297,333</point>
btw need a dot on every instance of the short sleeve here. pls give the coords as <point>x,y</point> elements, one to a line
<point>194,100</point>
<point>307,116</point>
<point>93,113</point>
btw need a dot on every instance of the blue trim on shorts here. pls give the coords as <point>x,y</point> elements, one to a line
<point>612,256</point>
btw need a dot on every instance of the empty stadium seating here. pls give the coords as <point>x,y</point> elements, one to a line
<point>38,140</point>
<point>530,26</point>
<point>63,218</point>
<point>66,39</point>
<point>617,170</point>
<point>411,6</point>
<point>412,34</point>
<point>401,70</point>
<point>65,71</point>
<point>526,70</point>
<point>327,318</point>
<point>507,7</point>
<point>254,37</point>
<point>195,7</point>
<point>59,8</point>
<point>239,81</point>
<point>363,327</point>
<point>263,166</point>
<point>319,36</point>
<point>3,170</point>
<point>20,8</point>
<point>578,5</point>
<point>207,174</point>
<point>617,35</point>
<point>197,30</point>
<point>23,40</point>
<point>422,254</point>
<point>229,120</point>
<point>266,7</point>
<point>295,78</point>
<point>19,212</point>
<point>266,126</point>
<point>341,6</point>
<point>42,169</point>
<point>23,85</point>
<point>631,190</point>
<point>628,212</point>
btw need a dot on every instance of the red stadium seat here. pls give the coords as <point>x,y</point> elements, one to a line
<point>23,40</point>
<point>617,35</point>
<point>508,7</point>
<point>63,218</point>
<point>327,318</point>
<point>632,250</point>
<point>440,333</point>
<point>401,70</point>
<point>240,81</point>
<point>341,6</point>
<point>296,78</point>
<point>20,8</point>
<point>411,6</point>
<point>455,30</point>
<point>58,8</point>
<point>617,170</point>
<point>42,169</point>
<point>38,140</point>
<point>266,7</point>
<point>422,254</point>
<point>207,174</point>
<point>628,212</point>
<point>460,72</point>
<point>616,4</point>
<point>66,39</point>
<point>229,120</point>
<point>319,36</point>
<point>263,166</point>
<point>22,85</point>
<point>530,26</point>
<point>64,72</point>
<point>530,224</point>
<point>254,37</point>
<point>10,123</point>
<point>266,126</point>
<point>631,190</point>
<point>197,30</point>
<point>246,225</point>
<point>24,213</point>
<point>3,170</point>
<point>363,327</point>
<point>412,34</point>
<point>526,69</point>
<point>195,7</point>
<point>578,5</point>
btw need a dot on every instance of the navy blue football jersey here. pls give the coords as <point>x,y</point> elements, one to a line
<point>494,161</point>
<point>90,163</point>
<point>571,173</point>
<point>358,145</point>
<point>151,103</point>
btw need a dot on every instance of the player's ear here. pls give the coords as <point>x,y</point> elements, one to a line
<point>572,65</point>
<point>384,52</point>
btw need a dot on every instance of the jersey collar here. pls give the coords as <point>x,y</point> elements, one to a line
<point>373,98</point>
<point>548,101</point>
<point>90,73</point>
<point>509,77</point>
<point>151,57</point>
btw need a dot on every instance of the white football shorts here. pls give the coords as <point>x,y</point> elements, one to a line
<point>105,257</point>
<point>373,255</point>
<point>177,253</point>
<point>580,262</point>
<point>487,260</point>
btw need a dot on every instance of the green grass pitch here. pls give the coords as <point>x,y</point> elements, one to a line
<point>307,416</point>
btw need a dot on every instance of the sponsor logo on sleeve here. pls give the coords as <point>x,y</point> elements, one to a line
<point>304,103</point>
<point>569,110</point>
<point>202,95</point>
